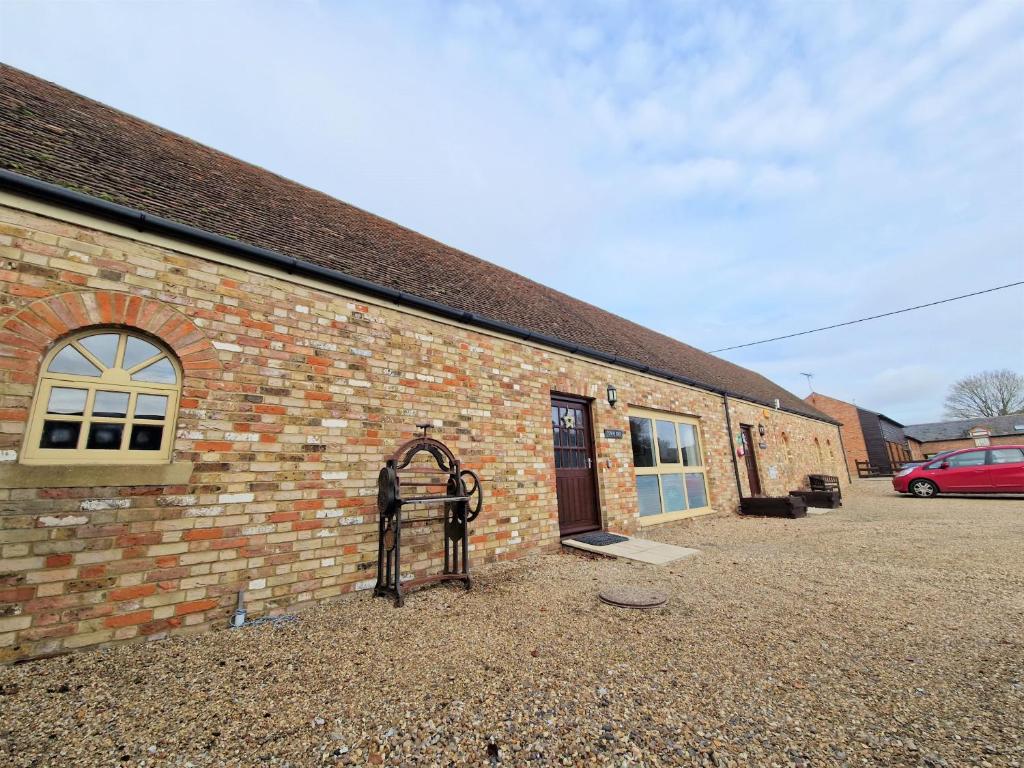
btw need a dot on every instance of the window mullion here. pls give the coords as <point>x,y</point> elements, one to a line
<point>122,342</point>
<point>86,418</point>
<point>126,437</point>
<point>89,356</point>
<point>145,363</point>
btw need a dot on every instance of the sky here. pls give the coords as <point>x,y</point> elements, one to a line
<point>721,172</point>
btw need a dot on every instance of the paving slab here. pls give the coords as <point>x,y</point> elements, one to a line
<point>641,550</point>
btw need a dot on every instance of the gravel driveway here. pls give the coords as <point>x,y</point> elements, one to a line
<point>885,633</point>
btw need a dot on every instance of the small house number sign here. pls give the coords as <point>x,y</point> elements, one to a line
<point>614,434</point>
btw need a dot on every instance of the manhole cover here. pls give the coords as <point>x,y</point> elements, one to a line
<point>633,597</point>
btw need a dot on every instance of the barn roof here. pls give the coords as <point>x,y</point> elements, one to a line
<point>957,430</point>
<point>54,135</point>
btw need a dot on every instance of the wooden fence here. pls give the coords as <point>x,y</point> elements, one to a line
<point>866,469</point>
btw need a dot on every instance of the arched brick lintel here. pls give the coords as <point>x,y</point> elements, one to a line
<point>31,331</point>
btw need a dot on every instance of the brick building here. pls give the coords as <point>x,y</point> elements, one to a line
<point>869,437</point>
<point>204,365</point>
<point>928,439</point>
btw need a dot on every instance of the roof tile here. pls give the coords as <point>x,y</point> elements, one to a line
<point>60,137</point>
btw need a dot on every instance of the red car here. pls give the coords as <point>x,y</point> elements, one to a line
<point>995,469</point>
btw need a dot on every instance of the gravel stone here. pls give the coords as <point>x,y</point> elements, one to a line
<point>887,632</point>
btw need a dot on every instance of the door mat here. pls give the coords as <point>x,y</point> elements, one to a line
<point>599,538</point>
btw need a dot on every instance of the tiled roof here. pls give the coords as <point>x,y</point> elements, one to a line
<point>957,430</point>
<point>60,137</point>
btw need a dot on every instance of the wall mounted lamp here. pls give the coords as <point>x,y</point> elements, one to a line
<point>760,429</point>
<point>613,396</point>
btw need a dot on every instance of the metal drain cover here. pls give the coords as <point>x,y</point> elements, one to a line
<point>633,597</point>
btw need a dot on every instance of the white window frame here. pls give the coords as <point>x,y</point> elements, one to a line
<point>660,469</point>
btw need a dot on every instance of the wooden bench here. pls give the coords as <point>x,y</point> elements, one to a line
<point>824,483</point>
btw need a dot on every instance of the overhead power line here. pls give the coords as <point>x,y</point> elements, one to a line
<point>872,317</point>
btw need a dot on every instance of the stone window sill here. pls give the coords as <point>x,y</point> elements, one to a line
<point>96,475</point>
<point>670,517</point>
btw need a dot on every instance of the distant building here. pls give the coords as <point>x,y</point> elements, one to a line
<point>928,439</point>
<point>868,437</point>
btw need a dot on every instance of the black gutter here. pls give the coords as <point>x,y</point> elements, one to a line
<point>144,222</point>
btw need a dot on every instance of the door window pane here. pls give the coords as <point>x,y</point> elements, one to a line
<point>70,360</point>
<point>146,437</point>
<point>110,404</point>
<point>150,406</point>
<point>160,372</point>
<point>668,447</point>
<point>1005,455</point>
<point>647,495</point>
<point>969,459</point>
<point>672,487</point>
<point>103,346</point>
<point>640,434</point>
<point>60,434</point>
<point>691,450</point>
<point>696,491</point>
<point>105,437</point>
<point>70,402</point>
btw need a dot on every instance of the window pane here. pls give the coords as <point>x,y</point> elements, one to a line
<point>146,437</point>
<point>160,372</point>
<point>668,448</point>
<point>137,351</point>
<point>70,360</point>
<point>67,401</point>
<point>105,437</point>
<point>111,404</point>
<point>150,406</point>
<point>691,450</point>
<point>647,495</point>
<point>60,434</point>
<point>969,459</point>
<point>1006,455</point>
<point>696,492</point>
<point>672,486</point>
<point>640,433</point>
<point>103,346</point>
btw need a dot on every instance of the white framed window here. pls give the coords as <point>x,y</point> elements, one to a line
<point>668,460</point>
<point>105,396</point>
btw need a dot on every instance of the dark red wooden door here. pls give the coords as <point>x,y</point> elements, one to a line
<point>574,466</point>
<point>750,458</point>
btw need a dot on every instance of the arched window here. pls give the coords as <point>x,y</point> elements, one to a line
<point>104,397</point>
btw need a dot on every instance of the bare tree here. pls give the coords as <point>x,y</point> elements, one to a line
<point>989,393</point>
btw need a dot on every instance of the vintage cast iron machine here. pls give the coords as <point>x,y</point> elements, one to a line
<point>405,483</point>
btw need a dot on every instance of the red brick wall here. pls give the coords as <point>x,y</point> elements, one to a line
<point>846,414</point>
<point>293,397</point>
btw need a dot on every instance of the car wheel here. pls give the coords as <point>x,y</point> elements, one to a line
<point>924,489</point>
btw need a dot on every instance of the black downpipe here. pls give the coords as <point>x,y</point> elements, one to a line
<point>143,222</point>
<point>842,447</point>
<point>732,449</point>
